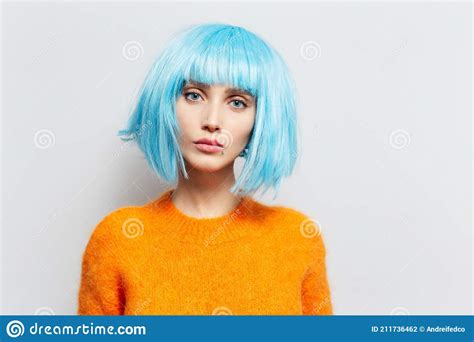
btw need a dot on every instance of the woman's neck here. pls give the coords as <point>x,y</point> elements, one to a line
<point>206,194</point>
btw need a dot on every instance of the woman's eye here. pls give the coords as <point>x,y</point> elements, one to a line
<point>242,103</point>
<point>194,97</point>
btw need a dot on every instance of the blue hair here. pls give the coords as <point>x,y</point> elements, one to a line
<point>216,53</point>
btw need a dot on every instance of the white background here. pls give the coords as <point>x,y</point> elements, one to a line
<point>385,126</point>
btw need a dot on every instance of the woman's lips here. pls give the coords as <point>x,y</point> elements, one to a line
<point>208,148</point>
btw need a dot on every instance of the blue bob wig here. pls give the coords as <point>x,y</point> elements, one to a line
<point>215,53</point>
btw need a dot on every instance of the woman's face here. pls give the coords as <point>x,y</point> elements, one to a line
<point>221,114</point>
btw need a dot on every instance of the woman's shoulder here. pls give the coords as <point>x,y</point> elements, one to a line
<point>121,222</point>
<point>285,213</point>
<point>297,225</point>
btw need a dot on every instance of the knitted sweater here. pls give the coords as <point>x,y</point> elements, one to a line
<point>155,260</point>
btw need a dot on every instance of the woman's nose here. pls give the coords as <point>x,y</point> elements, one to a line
<point>212,117</point>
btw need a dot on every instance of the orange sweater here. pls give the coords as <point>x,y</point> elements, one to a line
<point>155,260</point>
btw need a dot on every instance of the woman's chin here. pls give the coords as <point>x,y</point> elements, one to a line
<point>207,163</point>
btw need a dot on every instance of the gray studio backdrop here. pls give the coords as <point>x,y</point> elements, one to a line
<point>385,126</point>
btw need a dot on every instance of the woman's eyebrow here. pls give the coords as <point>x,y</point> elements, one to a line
<point>198,85</point>
<point>238,91</point>
<point>228,90</point>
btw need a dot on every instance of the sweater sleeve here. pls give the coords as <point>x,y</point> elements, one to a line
<point>100,291</point>
<point>316,296</point>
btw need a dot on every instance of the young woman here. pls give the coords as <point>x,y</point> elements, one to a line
<point>217,92</point>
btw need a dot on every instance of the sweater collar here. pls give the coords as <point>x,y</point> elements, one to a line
<point>247,219</point>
